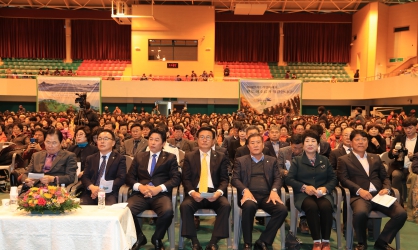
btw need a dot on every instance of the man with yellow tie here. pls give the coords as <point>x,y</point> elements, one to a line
<point>205,174</point>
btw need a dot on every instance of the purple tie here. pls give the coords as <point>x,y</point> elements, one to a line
<point>101,170</point>
<point>48,163</point>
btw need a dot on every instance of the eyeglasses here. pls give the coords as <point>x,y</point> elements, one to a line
<point>205,137</point>
<point>106,139</point>
<point>53,143</point>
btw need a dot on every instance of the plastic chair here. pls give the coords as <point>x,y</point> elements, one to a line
<point>337,194</point>
<point>260,213</point>
<point>206,212</point>
<point>372,215</point>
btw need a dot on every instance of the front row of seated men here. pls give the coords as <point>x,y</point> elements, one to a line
<point>154,174</point>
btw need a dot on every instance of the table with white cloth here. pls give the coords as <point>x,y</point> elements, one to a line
<point>85,228</point>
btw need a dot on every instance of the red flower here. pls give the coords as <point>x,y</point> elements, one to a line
<point>41,202</point>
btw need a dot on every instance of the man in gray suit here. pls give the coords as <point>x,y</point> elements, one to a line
<point>136,144</point>
<point>58,166</point>
<point>286,154</point>
<point>179,141</point>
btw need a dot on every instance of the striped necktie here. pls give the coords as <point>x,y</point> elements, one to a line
<point>101,170</point>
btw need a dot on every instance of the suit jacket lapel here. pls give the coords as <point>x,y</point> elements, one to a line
<point>357,163</point>
<point>160,160</point>
<point>267,171</point>
<point>213,160</point>
<point>145,161</point>
<point>198,164</point>
<point>56,159</point>
<point>110,161</point>
<point>370,160</point>
<point>248,164</point>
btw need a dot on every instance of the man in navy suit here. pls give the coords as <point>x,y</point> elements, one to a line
<point>213,180</point>
<point>152,176</point>
<point>365,176</point>
<point>105,165</point>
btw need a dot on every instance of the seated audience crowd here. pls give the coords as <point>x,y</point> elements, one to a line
<point>257,153</point>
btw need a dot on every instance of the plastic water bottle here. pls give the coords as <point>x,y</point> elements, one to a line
<point>101,198</point>
<point>13,199</point>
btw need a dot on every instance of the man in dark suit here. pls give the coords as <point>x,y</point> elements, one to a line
<point>205,171</point>
<point>365,176</point>
<point>244,150</point>
<point>233,135</point>
<point>136,144</point>
<point>399,169</point>
<point>257,179</point>
<point>152,176</point>
<point>324,147</point>
<point>106,165</point>
<point>286,154</point>
<point>178,140</point>
<point>58,166</point>
<point>343,149</point>
<point>274,144</point>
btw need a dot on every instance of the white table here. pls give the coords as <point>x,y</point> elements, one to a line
<point>85,228</point>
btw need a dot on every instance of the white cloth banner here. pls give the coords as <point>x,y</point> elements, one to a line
<point>270,96</point>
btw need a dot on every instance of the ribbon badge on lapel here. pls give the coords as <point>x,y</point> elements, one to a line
<point>323,166</point>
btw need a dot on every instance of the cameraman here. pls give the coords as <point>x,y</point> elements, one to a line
<point>87,117</point>
<point>403,148</point>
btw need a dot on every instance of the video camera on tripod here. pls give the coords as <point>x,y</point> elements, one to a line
<point>81,99</point>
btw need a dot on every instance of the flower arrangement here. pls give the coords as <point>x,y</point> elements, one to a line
<point>48,198</point>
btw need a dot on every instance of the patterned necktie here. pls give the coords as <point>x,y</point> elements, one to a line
<point>101,170</point>
<point>312,162</point>
<point>203,186</point>
<point>153,163</point>
<point>48,163</point>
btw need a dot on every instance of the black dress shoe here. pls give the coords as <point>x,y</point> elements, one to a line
<point>212,247</point>
<point>140,241</point>
<point>381,245</point>
<point>360,247</point>
<point>196,247</point>
<point>260,245</point>
<point>247,246</point>
<point>158,245</point>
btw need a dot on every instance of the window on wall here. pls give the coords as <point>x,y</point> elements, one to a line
<point>172,50</point>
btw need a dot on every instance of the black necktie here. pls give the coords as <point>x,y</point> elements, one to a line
<point>135,146</point>
<point>101,170</point>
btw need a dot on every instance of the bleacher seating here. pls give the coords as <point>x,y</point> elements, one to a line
<point>103,68</point>
<point>312,72</point>
<point>20,66</point>
<point>248,69</point>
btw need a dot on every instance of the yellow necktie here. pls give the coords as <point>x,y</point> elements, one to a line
<point>203,186</point>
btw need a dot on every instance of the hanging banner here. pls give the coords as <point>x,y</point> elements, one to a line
<point>270,97</point>
<point>58,94</point>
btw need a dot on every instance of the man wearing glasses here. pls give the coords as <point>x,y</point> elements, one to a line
<point>205,181</point>
<point>57,165</point>
<point>152,176</point>
<point>101,167</point>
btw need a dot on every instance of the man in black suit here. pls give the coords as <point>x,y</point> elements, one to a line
<point>365,176</point>
<point>257,179</point>
<point>343,149</point>
<point>152,176</point>
<point>244,150</point>
<point>105,165</point>
<point>324,147</point>
<point>205,171</point>
<point>274,144</point>
<point>399,169</point>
